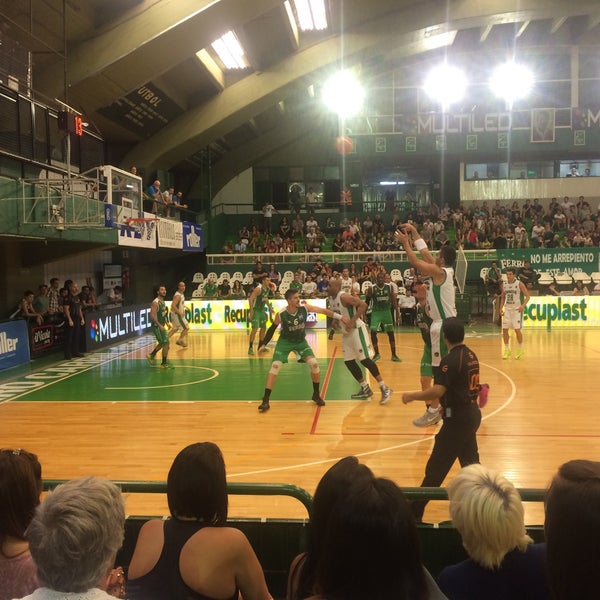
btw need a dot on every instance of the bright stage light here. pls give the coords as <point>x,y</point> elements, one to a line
<point>343,94</point>
<point>446,84</point>
<point>511,81</point>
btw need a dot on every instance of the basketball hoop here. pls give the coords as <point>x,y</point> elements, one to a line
<point>139,221</point>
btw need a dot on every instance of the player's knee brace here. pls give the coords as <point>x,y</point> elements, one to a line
<point>370,366</point>
<point>311,361</point>
<point>275,366</point>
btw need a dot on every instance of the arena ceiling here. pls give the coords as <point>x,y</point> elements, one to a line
<point>105,57</point>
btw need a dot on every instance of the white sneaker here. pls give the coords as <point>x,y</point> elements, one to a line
<point>386,393</point>
<point>427,419</point>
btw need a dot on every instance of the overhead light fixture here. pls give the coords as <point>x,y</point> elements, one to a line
<point>511,81</point>
<point>230,51</point>
<point>310,15</point>
<point>446,84</point>
<point>343,94</point>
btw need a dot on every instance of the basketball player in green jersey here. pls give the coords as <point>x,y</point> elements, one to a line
<point>259,301</point>
<point>432,413</point>
<point>293,339</point>
<point>382,299</point>
<point>160,327</point>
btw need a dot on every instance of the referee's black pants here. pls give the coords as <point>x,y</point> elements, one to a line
<point>456,439</point>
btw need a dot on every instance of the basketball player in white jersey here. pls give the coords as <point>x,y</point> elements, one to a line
<point>438,275</point>
<point>178,316</point>
<point>356,342</point>
<point>513,300</point>
<point>348,286</point>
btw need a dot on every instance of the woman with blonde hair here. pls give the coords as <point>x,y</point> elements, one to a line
<point>503,561</point>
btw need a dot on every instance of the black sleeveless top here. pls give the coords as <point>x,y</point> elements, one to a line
<point>164,581</point>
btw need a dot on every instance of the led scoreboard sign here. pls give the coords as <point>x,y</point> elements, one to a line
<point>70,122</point>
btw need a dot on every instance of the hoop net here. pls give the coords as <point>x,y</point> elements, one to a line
<point>460,273</point>
<point>139,221</point>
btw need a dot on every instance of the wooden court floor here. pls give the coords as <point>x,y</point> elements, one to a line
<point>113,415</point>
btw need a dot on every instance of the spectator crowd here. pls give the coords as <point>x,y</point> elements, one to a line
<point>363,541</point>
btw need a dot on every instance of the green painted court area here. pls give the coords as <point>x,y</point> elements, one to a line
<point>191,380</point>
<point>210,370</point>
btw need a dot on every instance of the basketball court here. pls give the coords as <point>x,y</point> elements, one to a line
<point>111,414</point>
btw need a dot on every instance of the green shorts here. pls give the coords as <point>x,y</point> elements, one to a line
<point>381,317</point>
<point>259,320</point>
<point>162,337</point>
<point>426,370</point>
<point>284,347</point>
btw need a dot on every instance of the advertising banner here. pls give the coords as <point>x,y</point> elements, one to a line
<point>193,238</point>
<point>562,311</point>
<point>14,344</point>
<point>552,260</point>
<point>170,234</point>
<point>114,325</point>
<point>140,234</point>
<point>212,315</point>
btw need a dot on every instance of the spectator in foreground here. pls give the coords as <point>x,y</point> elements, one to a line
<point>572,529</point>
<point>371,548</point>
<point>20,489</point>
<point>74,538</point>
<point>333,487</point>
<point>194,554</point>
<point>503,562</point>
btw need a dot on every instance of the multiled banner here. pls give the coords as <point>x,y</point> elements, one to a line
<point>115,324</point>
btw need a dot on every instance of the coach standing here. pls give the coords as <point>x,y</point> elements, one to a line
<point>75,322</point>
<point>456,385</point>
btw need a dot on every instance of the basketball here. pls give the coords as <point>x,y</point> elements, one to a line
<point>344,145</point>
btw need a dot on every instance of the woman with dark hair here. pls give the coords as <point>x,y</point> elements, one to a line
<point>20,489</point>
<point>572,529</point>
<point>333,486</point>
<point>194,555</point>
<point>237,291</point>
<point>371,548</point>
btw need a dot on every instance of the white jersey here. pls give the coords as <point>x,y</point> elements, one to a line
<point>512,295</point>
<point>181,305</point>
<point>441,301</point>
<point>346,285</point>
<point>346,311</point>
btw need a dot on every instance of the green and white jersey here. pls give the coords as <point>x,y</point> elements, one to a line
<point>381,297</point>
<point>161,312</point>
<point>441,299</point>
<point>293,326</point>
<point>261,301</point>
<point>335,304</point>
<point>424,322</point>
<point>512,295</point>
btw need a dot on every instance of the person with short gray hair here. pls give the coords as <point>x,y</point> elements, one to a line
<point>74,538</point>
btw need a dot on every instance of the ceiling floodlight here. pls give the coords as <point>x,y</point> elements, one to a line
<point>511,81</point>
<point>230,51</point>
<point>310,15</point>
<point>446,84</point>
<point>343,94</point>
